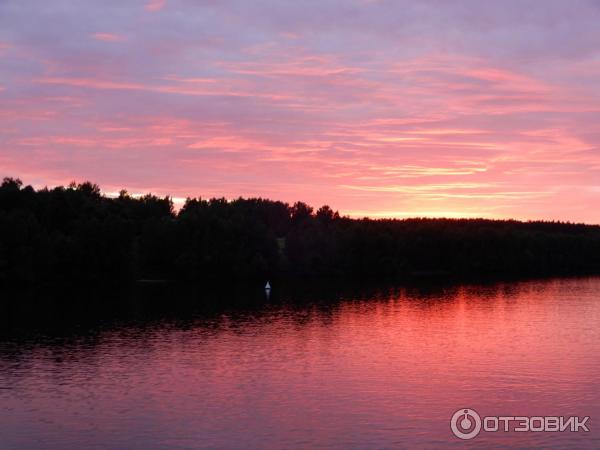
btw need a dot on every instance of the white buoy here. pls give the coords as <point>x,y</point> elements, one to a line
<point>268,286</point>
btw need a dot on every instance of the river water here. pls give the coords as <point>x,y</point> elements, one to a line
<point>381,369</point>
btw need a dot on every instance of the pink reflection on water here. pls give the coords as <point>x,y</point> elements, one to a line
<point>383,372</point>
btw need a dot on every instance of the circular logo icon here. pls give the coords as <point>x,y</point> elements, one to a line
<point>465,423</point>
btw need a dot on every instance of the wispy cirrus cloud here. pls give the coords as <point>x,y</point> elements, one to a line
<point>4,47</point>
<point>108,37</point>
<point>378,108</point>
<point>155,5</point>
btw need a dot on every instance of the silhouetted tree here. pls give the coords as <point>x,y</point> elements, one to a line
<point>76,234</point>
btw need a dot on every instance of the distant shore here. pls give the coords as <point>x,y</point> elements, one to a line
<point>76,235</point>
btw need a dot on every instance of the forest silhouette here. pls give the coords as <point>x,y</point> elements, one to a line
<point>75,234</point>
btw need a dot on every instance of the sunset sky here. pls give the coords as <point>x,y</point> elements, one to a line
<point>377,108</point>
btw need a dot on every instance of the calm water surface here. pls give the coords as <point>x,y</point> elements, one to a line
<point>379,371</point>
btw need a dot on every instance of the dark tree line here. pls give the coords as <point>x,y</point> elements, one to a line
<point>75,234</point>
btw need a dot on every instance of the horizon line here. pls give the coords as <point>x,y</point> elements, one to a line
<point>178,203</point>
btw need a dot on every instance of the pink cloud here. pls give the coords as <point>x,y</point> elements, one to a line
<point>361,113</point>
<point>108,37</point>
<point>155,5</point>
<point>4,47</point>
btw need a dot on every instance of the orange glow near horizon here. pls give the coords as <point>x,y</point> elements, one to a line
<point>426,116</point>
